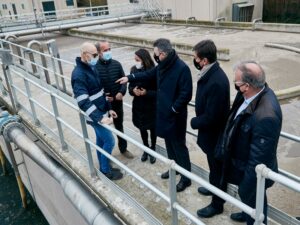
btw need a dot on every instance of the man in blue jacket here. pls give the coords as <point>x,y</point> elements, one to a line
<point>212,108</point>
<point>174,91</point>
<point>91,99</point>
<point>251,135</point>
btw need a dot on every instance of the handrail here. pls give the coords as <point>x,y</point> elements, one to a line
<point>171,165</point>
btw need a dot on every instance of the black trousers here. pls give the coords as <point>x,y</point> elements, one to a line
<point>177,151</point>
<point>215,175</point>
<point>144,135</point>
<point>117,106</point>
<point>249,197</point>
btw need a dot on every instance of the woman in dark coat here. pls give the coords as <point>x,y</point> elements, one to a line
<point>144,101</point>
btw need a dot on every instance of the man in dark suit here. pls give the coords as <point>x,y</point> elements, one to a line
<point>174,91</point>
<point>251,135</point>
<point>212,108</point>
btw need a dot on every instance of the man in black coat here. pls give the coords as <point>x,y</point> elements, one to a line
<point>109,71</point>
<point>212,108</point>
<point>174,91</point>
<point>251,135</point>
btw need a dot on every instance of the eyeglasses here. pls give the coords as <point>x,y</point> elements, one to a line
<point>239,82</point>
<point>93,54</point>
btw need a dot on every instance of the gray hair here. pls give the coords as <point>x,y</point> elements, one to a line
<point>163,45</point>
<point>254,77</point>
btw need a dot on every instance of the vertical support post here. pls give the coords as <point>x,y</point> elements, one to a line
<point>55,73</point>
<point>44,63</point>
<point>260,192</point>
<point>33,66</point>
<point>28,92</point>
<point>3,163</point>
<point>59,127</point>
<point>87,146</point>
<point>19,53</point>
<point>173,195</point>
<point>17,173</point>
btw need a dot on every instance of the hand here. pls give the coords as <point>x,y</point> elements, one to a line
<point>136,91</point>
<point>112,113</point>
<point>108,98</point>
<point>122,80</point>
<point>106,120</point>
<point>143,91</point>
<point>119,96</point>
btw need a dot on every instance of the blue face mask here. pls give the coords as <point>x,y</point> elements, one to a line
<point>93,61</point>
<point>107,55</point>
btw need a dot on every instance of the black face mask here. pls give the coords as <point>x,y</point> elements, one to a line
<point>156,58</point>
<point>197,65</point>
<point>237,88</point>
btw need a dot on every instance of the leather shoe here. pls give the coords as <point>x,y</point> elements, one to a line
<point>238,217</point>
<point>144,157</point>
<point>165,175</point>
<point>204,191</point>
<point>128,154</point>
<point>152,159</point>
<point>115,169</point>
<point>114,175</point>
<point>208,211</point>
<point>182,185</point>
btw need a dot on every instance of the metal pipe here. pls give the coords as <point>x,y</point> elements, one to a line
<point>92,211</point>
<point>72,25</point>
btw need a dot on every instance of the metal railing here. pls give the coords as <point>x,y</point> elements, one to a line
<point>15,74</point>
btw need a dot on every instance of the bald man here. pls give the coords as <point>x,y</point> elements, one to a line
<point>89,93</point>
<point>251,135</point>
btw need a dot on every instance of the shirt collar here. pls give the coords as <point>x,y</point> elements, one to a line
<point>249,100</point>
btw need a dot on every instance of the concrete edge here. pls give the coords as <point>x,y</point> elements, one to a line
<point>284,47</point>
<point>259,26</point>
<point>288,93</point>
<point>223,54</point>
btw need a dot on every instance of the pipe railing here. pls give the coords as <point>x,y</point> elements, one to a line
<point>89,144</point>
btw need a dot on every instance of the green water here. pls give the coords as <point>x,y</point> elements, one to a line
<point>11,210</point>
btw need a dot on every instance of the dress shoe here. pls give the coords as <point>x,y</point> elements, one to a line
<point>204,191</point>
<point>238,217</point>
<point>114,175</point>
<point>115,169</point>
<point>152,159</point>
<point>165,175</point>
<point>208,211</point>
<point>182,185</point>
<point>144,157</point>
<point>128,154</point>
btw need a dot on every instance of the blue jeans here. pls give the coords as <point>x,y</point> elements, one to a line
<point>106,141</point>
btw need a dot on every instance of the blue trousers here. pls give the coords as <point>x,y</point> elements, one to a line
<point>106,141</point>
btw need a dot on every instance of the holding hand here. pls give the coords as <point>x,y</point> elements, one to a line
<point>108,97</point>
<point>136,91</point>
<point>113,114</point>
<point>106,120</point>
<point>119,96</point>
<point>143,91</point>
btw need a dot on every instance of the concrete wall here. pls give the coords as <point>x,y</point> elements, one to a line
<point>206,10</point>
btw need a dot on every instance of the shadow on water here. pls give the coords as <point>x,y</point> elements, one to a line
<point>11,210</point>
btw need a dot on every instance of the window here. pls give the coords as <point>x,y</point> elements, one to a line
<point>23,6</point>
<point>69,2</point>
<point>4,6</point>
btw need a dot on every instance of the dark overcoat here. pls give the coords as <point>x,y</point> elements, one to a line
<point>174,91</point>
<point>212,104</point>
<point>252,139</point>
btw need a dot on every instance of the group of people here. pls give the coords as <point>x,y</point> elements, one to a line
<point>234,139</point>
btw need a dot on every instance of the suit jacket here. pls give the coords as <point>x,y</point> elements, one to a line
<point>212,107</point>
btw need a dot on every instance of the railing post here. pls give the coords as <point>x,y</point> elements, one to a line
<point>87,146</point>
<point>173,194</point>
<point>260,194</point>
<point>59,127</point>
<point>6,58</point>
<point>28,92</point>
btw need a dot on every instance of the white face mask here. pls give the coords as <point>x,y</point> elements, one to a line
<point>138,65</point>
